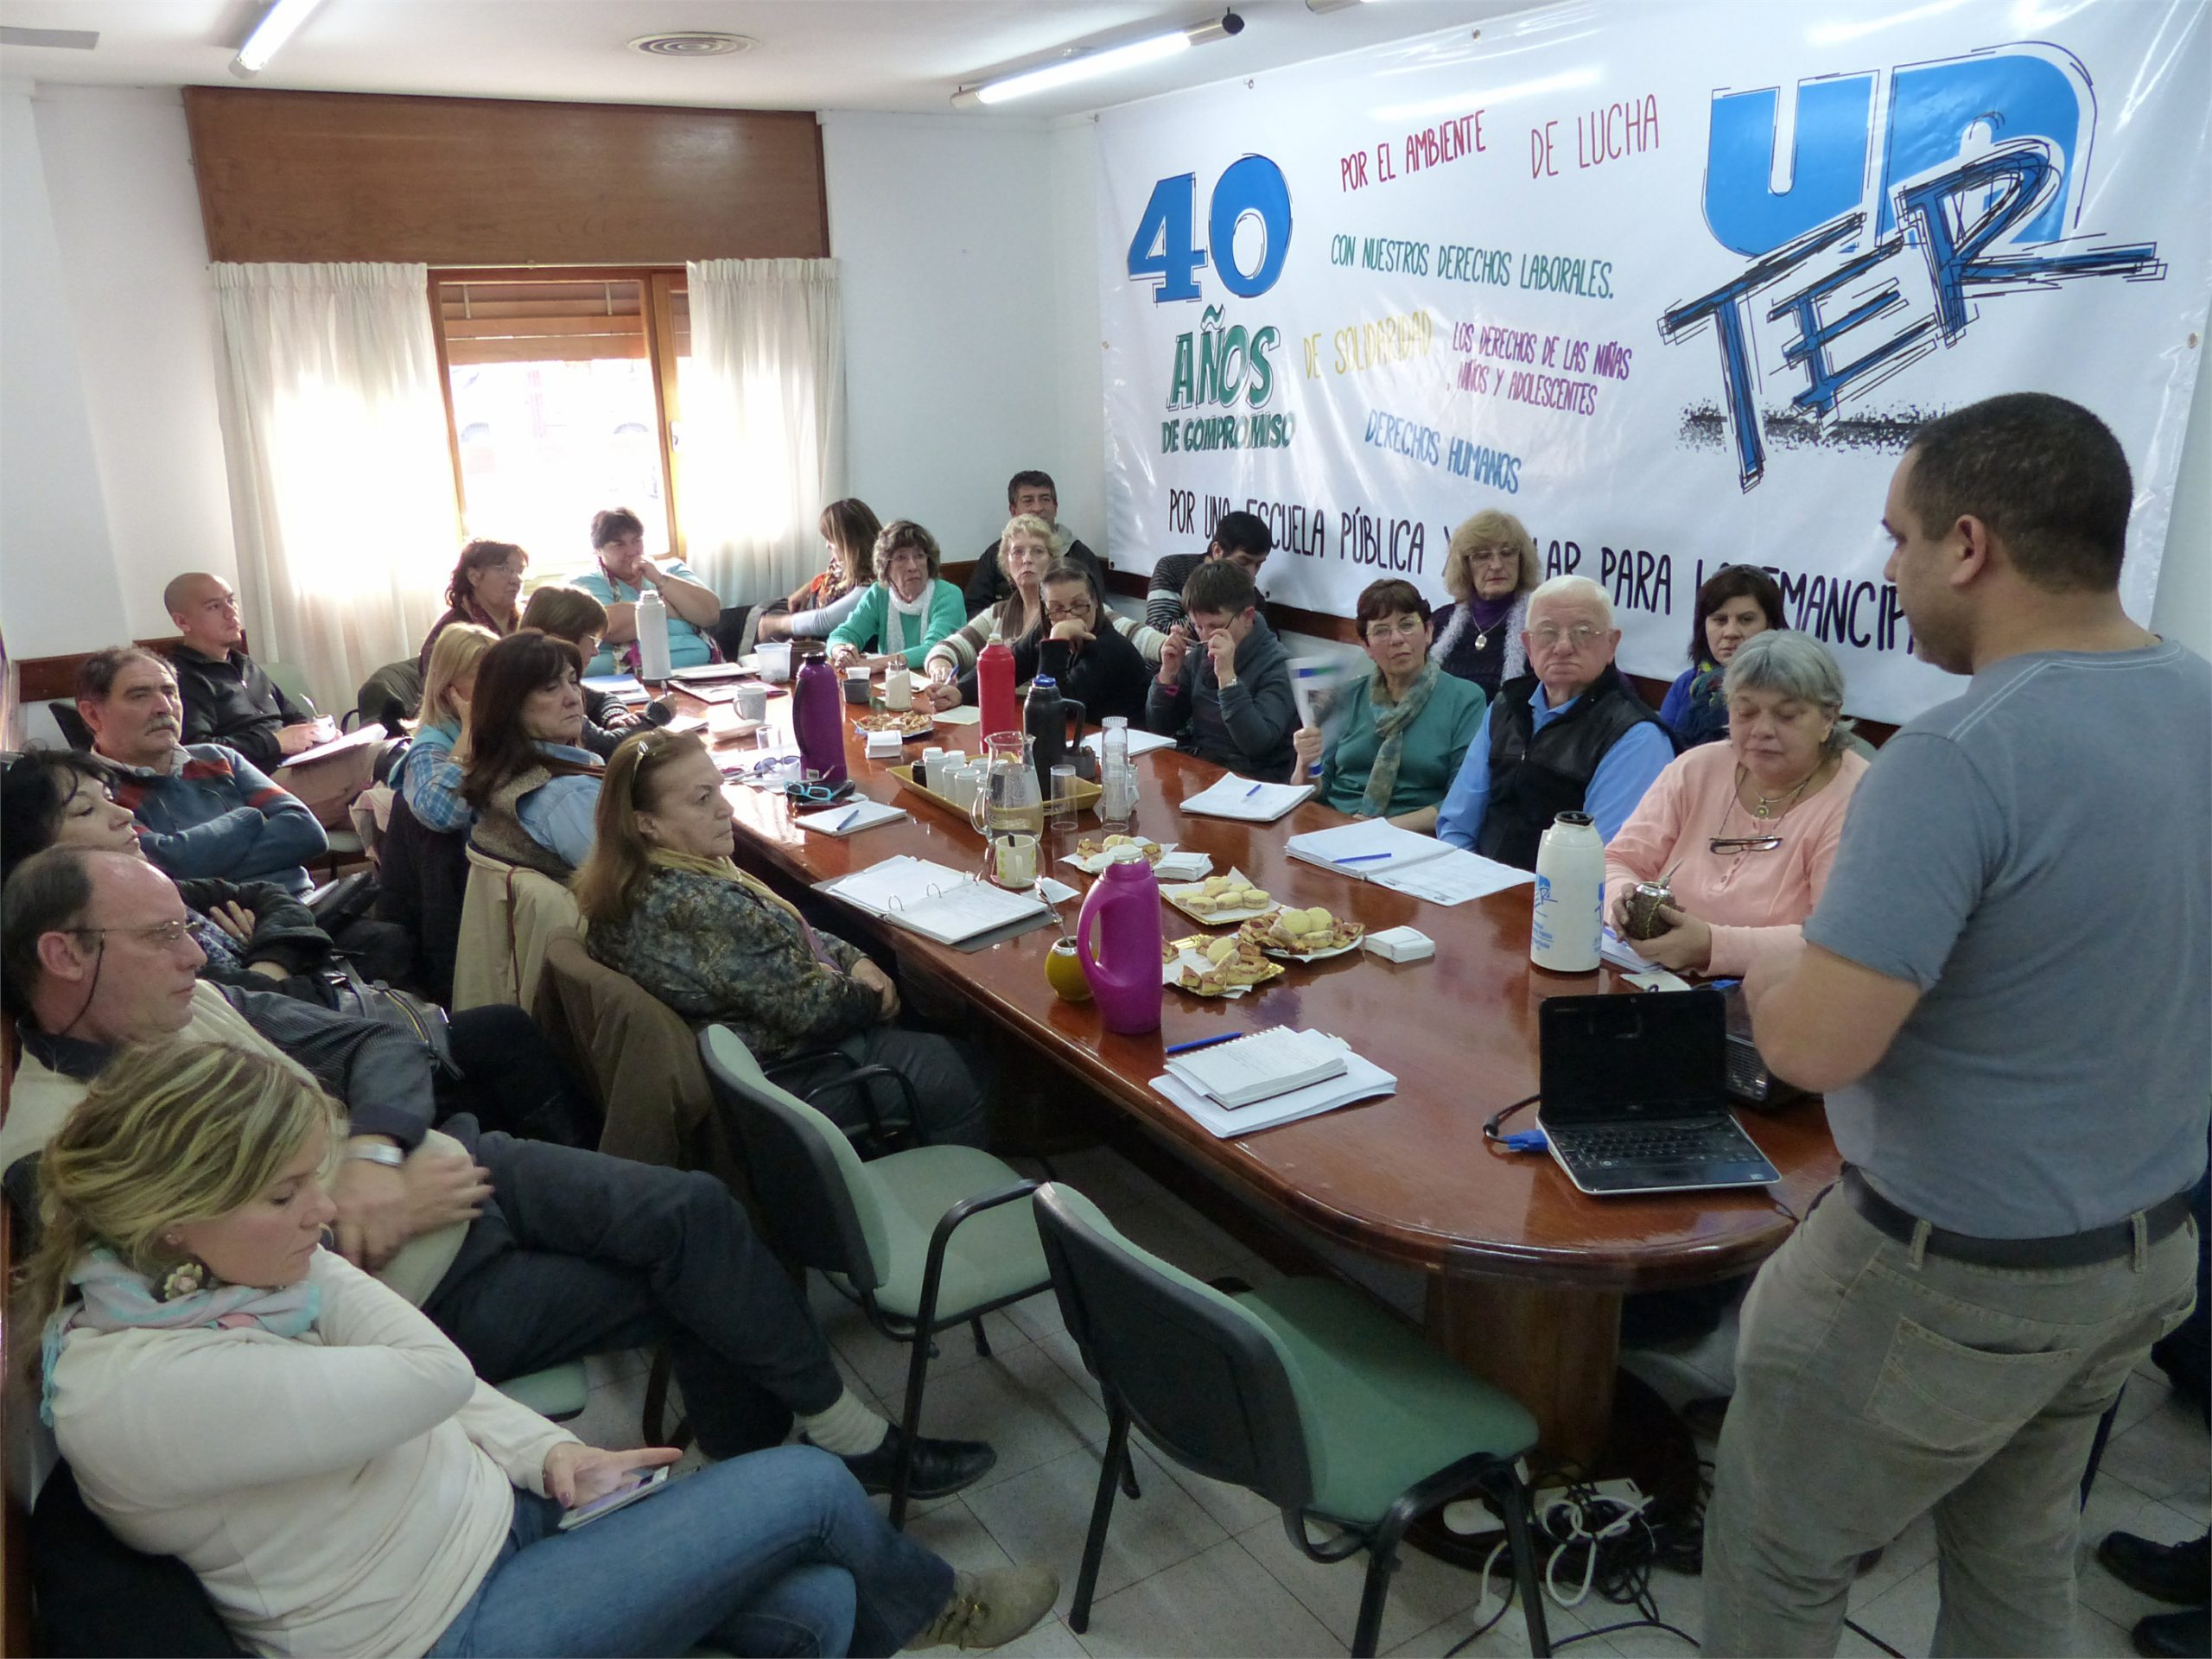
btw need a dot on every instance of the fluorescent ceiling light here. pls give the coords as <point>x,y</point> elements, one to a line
<point>1090,65</point>
<point>277,25</point>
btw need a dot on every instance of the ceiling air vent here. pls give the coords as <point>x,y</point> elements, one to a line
<point>74,39</point>
<point>693,43</point>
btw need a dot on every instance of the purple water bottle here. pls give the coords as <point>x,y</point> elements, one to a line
<point>818,721</point>
<point>1122,913</point>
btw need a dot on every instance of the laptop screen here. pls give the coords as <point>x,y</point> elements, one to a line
<point>1622,1058</point>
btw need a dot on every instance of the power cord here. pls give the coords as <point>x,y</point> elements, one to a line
<point>1523,1141</point>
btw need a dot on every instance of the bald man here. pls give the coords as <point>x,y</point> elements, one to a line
<point>228,698</point>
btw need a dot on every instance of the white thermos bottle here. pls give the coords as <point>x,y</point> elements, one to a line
<point>1568,922</point>
<point>653,636</point>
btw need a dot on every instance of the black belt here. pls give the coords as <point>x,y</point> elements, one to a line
<point>2106,1243</point>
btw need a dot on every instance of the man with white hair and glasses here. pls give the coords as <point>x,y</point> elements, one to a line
<point>1571,735</point>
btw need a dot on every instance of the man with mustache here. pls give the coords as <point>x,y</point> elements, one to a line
<point>202,811</point>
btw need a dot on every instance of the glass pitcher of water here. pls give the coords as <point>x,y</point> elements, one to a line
<point>1009,802</point>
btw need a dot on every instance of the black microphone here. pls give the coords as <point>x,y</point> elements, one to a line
<point>659,711</point>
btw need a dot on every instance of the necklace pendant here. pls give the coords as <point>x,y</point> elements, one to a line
<point>1482,640</point>
<point>1760,811</point>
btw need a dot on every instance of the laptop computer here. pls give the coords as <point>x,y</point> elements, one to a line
<point>1635,1094</point>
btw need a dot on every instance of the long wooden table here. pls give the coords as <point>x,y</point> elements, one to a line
<point>1525,1272</point>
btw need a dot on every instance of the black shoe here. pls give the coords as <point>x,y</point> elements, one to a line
<point>941,1467</point>
<point>2174,1636</point>
<point>2181,1573</point>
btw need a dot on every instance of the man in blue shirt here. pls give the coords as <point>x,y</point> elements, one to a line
<point>618,535</point>
<point>1571,735</point>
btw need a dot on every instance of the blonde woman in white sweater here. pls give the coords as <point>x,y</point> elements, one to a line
<point>229,1392</point>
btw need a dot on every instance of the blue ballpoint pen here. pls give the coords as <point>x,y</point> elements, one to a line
<point>1255,789</point>
<point>845,823</point>
<point>1363,858</point>
<point>1204,1042</point>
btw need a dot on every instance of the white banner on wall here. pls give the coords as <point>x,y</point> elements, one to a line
<point>1673,285</point>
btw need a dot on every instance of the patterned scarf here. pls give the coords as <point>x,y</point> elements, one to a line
<point>1705,721</point>
<point>115,1297</point>
<point>1390,724</point>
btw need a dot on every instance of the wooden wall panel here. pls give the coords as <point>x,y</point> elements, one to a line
<point>312,176</point>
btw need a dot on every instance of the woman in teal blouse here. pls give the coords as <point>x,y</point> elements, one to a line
<point>908,610</point>
<point>1401,733</point>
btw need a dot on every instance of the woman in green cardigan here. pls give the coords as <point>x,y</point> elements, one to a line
<point>907,611</point>
<point>1402,732</point>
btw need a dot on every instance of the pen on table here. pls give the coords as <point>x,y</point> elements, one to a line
<point>851,812</point>
<point>1362,858</point>
<point>1255,789</point>
<point>1203,1042</point>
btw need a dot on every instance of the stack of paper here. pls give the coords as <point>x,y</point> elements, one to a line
<point>1139,742</point>
<point>1240,797</point>
<point>937,903</point>
<point>623,688</point>
<point>1361,1079</point>
<point>1260,1066</point>
<point>851,818</point>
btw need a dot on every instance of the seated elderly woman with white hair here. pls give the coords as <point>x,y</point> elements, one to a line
<point>1570,735</point>
<point>1747,826</point>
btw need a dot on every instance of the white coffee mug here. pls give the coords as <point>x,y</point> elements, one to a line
<point>898,690</point>
<point>1014,861</point>
<point>751,702</point>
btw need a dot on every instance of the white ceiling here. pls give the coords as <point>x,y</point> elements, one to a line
<point>813,54</point>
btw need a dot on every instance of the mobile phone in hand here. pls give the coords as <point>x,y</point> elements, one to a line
<point>643,1482</point>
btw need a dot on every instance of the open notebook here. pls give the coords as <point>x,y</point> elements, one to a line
<point>937,902</point>
<point>1419,866</point>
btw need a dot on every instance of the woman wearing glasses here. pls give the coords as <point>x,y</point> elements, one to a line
<point>1490,571</point>
<point>665,905</point>
<point>1733,603</point>
<point>533,787</point>
<point>486,584</point>
<point>1747,826</point>
<point>1403,730</point>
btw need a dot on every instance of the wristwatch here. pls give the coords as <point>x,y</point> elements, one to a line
<point>378,1153</point>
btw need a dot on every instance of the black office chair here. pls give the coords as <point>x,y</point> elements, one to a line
<point>1305,1392</point>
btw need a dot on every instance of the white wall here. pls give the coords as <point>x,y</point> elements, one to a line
<point>58,589</point>
<point>953,239</point>
<point>2184,608</point>
<point>126,210</point>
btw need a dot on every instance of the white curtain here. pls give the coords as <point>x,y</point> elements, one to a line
<point>761,448</point>
<point>342,477</point>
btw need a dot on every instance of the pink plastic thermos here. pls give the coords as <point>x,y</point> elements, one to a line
<point>1117,937</point>
<point>994,689</point>
<point>818,721</point>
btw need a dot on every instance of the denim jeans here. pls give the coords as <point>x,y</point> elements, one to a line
<point>776,1553</point>
<point>1873,1385</point>
<point>579,1253</point>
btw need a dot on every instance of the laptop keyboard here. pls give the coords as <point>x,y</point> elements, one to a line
<point>1696,1144</point>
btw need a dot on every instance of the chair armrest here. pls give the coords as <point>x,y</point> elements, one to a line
<point>858,1073</point>
<point>941,1237</point>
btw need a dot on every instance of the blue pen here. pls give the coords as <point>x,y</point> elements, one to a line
<point>1204,1042</point>
<point>1255,789</point>
<point>1363,858</point>
<point>851,812</point>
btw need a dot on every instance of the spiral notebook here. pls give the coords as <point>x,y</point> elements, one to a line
<point>937,902</point>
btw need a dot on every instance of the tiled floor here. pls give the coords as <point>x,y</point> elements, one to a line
<point>1197,1567</point>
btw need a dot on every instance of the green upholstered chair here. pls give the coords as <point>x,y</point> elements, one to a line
<point>923,1239</point>
<point>560,1392</point>
<point>1305,1392</point>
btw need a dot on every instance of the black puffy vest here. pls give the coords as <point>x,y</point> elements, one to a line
<point>1533,779</point>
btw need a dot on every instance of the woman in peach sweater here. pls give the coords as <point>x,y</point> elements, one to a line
<point>1748,827</point>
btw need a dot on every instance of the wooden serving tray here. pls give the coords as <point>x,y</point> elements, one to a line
<point>909,776</point>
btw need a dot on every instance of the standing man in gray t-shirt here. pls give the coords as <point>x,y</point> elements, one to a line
<point>2003,993</point>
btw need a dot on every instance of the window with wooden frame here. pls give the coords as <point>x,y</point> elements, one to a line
<point>562,397</point>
